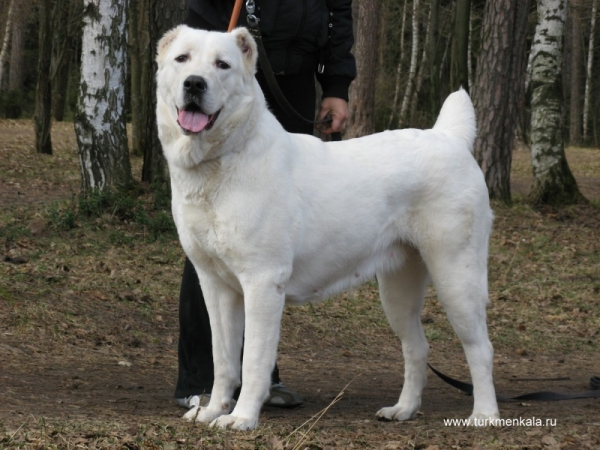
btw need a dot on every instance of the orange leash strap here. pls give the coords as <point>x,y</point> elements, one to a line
<point>235,15</point>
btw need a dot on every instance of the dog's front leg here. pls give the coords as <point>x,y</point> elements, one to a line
<point>226,312</point>
<point>263,304</point>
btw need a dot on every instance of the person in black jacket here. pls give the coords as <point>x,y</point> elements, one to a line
<point>303,39</point>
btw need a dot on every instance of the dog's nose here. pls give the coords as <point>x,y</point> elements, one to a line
<point>194,85</point>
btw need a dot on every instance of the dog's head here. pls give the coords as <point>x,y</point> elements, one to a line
<point>203,77</point>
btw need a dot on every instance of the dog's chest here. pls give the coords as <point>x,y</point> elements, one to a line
<point>208,240</point>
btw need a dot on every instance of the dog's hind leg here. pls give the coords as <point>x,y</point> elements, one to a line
<point>226,311</point>
<point>460,279</point>
<point>402,294</point>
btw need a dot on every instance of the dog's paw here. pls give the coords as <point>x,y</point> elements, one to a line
<point>203,414</point>
<point>396,413</point>
<point>235,423</point>
<point>483,420</point>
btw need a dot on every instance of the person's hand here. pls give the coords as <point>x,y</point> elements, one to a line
<point>337,108</point>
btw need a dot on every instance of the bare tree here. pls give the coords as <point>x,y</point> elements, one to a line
<point>100,121</point>
<point>460,50</point>
<point>139,54</point>
<point>42,117</point>
<point>398,79</point>
<point>162,15</point>
<point>434,50</point>
<point>576,67</point>
<point>6,40</point>
<point>588,78</point>
<point>17,50</point>
<point>362,91</point>
<point>423,66</point>
<point>67,20</point>
<point>498,86</point>
<point>553,181</point>
<point>412,71</point>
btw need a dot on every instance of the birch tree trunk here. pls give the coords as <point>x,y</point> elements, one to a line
<point>576,66</point>
<point>553,181</point>
<point>412,71</point>
<point>100,120</point>
<point>398,80</point>
<point>498,86</point>
<point>588,79</point>
<point>422,67</point>
<point>42,117</point>
<point>362,91</point>
<point>6,40</point>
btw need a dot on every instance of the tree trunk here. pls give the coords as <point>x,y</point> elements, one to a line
<point>67,36</point>
<point>576,104</point>
<point>6,40</point>
<point>362,92</point>
<point>398,80</point>
<point>100,121</point>
<point>412,71</point>
<point>138,53</point>
<point>422,67</point>
<point>162,15</point>
<point>588,79</point>
<point>42,117</point>
<point>498,87</point>
<point>434,51</point>
<point>17,55</point>
<point>460,49</point>
<point>553,181</point>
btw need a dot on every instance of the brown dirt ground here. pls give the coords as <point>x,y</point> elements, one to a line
<point>81,367</point>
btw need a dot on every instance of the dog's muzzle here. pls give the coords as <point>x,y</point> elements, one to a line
<point>191,117</point>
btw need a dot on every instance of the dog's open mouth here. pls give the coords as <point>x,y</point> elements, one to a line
<point>192,119</point>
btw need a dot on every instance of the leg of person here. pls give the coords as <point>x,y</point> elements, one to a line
<point>195,357</point>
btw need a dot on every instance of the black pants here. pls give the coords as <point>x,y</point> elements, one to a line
<point>196,372</point>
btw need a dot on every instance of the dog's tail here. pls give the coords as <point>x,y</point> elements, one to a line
<point>457,117</point>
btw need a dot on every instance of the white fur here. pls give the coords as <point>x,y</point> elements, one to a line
<point>269,218</point>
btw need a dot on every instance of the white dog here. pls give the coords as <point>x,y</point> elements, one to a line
<point>269,218</point>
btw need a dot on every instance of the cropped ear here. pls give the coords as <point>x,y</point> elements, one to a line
<point>166,41</point>
<point>247,46</point>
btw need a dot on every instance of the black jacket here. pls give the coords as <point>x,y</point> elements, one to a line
<point>298,35</point>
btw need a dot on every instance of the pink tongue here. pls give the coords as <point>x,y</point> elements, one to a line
<point>192,121</point>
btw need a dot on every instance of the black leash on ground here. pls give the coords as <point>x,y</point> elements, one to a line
<point>270,76</point>
<point>542,396</point>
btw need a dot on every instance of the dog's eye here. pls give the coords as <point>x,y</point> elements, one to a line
<point>222,65</point>
<point>181,58</point>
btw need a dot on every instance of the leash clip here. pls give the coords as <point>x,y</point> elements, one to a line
<point>251,18</point>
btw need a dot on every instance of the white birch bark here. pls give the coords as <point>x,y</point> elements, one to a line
<point>423,66</point>
<point>6,40</point>
<point>399,68</point>
<point>588,78</point>
<point>412,72</point>
<point>100,122</point>
<point>553,181</point>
